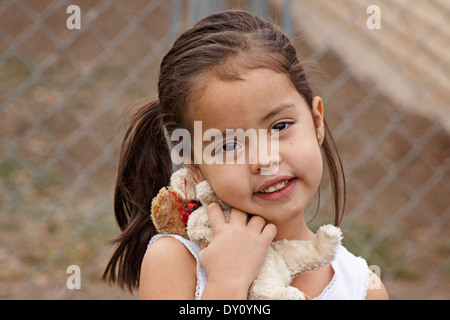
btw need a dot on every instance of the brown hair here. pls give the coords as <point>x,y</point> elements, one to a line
<point>212,45</point>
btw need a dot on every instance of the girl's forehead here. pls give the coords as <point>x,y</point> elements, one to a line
<point>238,101</point>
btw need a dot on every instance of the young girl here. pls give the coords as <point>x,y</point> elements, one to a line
<point>232,70</point>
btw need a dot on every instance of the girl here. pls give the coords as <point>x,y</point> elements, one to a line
<point>232,70</point>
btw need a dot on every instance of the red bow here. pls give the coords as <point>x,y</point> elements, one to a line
<point>188,209</point>
<point>190,206</point>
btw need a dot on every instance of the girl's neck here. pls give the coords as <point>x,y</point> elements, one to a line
<point>294,230</point>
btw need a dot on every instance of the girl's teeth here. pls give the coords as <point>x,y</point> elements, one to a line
<point>276,187</point>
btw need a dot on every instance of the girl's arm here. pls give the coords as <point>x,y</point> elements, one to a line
<point>168,271</point>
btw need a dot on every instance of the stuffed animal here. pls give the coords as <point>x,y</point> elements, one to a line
<point>180,209</point>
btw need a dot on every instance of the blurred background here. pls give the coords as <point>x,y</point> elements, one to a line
<point>63,93</point>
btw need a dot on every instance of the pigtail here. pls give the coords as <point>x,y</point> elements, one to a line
<point>144,168</point>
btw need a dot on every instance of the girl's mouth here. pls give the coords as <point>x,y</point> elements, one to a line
<point>279,191</point>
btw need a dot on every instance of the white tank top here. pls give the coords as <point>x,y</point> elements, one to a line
<point>350,280</point>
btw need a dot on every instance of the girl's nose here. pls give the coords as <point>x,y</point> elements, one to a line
<point>267,165</point>
<point>265,158</point>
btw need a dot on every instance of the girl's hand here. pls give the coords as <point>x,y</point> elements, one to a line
<point>236,253</point>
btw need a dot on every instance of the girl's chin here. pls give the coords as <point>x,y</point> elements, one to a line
<point>280,214</point>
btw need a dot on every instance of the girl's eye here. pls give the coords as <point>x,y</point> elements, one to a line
<point>279,127</point>
<point>228,146</point>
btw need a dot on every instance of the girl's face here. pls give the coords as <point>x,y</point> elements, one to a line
<point>267,100</point>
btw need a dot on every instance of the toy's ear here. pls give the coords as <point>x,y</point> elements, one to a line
<point>165,213</point>
<point>194,170</point>
<point>162,209</point>
<point>182,182</point>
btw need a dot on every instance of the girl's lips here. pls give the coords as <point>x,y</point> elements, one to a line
<point>278,195</point>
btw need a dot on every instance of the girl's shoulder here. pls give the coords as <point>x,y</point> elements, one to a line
<point>167,246</point>
<point>177,241</point>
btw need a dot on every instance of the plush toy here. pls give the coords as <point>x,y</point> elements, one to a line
<point>180,209</point>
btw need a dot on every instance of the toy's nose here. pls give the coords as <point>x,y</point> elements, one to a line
<point>188,209</point>
<point>193,205</point>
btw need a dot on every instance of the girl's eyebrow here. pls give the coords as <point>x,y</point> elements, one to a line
<point>275,111</point>
<point>266,118</point>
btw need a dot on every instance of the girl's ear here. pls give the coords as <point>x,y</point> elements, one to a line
<point>194,170</point>
<point>317,111</point>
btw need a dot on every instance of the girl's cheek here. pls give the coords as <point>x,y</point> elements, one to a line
<point>308,161</point>
<point>316,168</point>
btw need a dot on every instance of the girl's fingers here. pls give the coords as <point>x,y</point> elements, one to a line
<point>216,219</point>
<point>215,216</point>
<point>257,222</point>
<point>238,216</point>
<point>269,232</point>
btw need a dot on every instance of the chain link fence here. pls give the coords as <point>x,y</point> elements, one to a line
<point>63,92</point>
